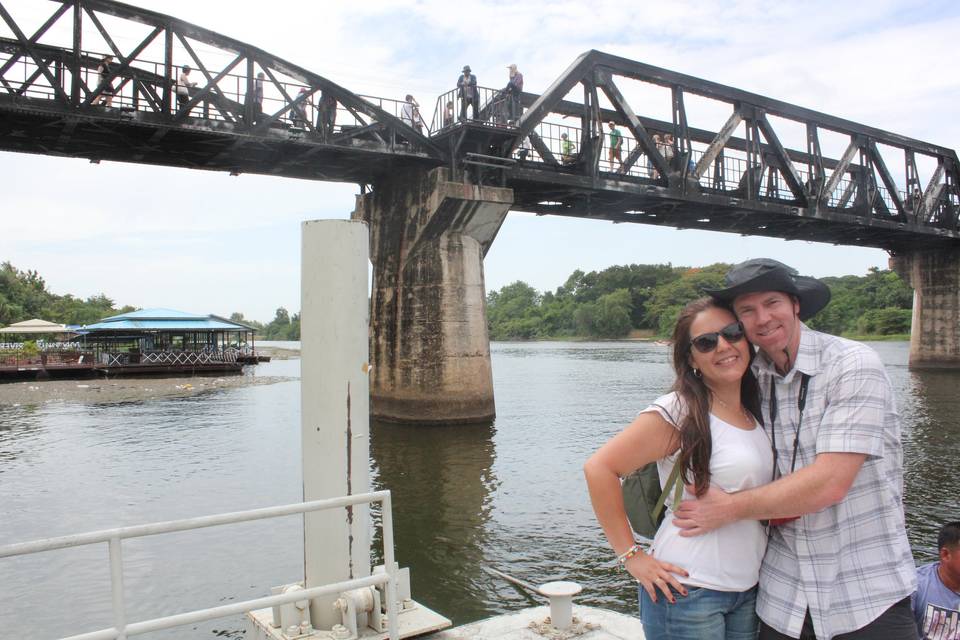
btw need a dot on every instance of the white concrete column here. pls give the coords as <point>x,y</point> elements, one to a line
<point>334,401</point>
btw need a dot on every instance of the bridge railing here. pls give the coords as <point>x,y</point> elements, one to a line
<point>728,176</point>
<point>227,104</point>
<point>114,538</point>
<point>545,145</point>
<point>231,81</point>
<point>494,108</point>
<point>398,109</point>
<point>766,150</point>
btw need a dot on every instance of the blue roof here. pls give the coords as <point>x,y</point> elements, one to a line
<point>155,314</point>
<point>165,320</point>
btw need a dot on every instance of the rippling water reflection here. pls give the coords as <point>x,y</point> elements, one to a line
<point>508,495</point>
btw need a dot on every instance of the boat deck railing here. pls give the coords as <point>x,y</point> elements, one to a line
<point>114,537</point>
<point>96,358</point>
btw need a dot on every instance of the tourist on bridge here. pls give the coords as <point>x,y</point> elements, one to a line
<point>468,93</point>
<point>568,150</point>
<point>106,88</point>
<point>410,113</point>
<point>616,145</point>
<point>936,603</point>
<point>258,96</point>
<point>298,113</point>
<point>448,114</point>
<point>651,168</point>
<point>838,560</point>
<point>513,90</point>
<point>327,116</point>
<point>704,433</point>
<point>666,149</point>
<point>184,84</point>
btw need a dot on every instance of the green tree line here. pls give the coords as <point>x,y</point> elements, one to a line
<point>24,295</point>
<point>623,299</point>
<point>282,327</point>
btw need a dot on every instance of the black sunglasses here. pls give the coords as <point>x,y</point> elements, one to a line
<point>707,342</point>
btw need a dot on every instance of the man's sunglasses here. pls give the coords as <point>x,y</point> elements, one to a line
<point>707,342</point>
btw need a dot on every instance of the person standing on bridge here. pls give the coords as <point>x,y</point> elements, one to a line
<point>514,90</point>
<point>468,93</point>
<point>184,84</point>
<point>299,111</point>
<point>568,150</point>
<point>258,96</point>
<point>327,114</point>
<point>704,432</point>
<point>410,113</point>
<point>448,114</point>
<point>616,146</point>
<point>838,562</point>
<point>106,88</point>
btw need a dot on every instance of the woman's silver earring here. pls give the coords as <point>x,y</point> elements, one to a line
<point>697,373</point>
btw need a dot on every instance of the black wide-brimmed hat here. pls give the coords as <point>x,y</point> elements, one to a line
<point>764,274</point>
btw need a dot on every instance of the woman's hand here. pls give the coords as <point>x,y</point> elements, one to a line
<point>653,574</point>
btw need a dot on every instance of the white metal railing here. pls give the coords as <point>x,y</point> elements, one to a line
<point>188,357</point>
<point>113,537</point>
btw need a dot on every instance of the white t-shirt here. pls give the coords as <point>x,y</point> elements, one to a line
<point>406,114</point>
<point>728,558</point>
<point>183,83</point>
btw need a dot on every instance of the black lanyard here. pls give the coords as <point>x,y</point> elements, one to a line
<point>801,402</point>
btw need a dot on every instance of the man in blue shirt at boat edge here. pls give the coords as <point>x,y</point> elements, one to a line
<point>936,604</point>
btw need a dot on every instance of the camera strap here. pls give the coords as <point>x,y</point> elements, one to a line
<point>801,403</point>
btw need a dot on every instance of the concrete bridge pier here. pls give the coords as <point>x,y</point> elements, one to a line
<point>429,345</point>
<point>934,275</point>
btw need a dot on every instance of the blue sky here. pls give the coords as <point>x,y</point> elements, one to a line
<point>208,242</point>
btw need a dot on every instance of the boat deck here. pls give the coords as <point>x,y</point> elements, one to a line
<point>37,368</point>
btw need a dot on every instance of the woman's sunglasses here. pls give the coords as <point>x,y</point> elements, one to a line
<point>707,342</point>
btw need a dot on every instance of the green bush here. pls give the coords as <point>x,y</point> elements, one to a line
<point>612,302</point>
<point>30,348</point>
<point>884,322</point>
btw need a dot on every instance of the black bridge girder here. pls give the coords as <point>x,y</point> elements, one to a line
<point>49,95</point>
<point>655,205</point>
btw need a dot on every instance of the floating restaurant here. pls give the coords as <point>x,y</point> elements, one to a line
<point>149,341</point>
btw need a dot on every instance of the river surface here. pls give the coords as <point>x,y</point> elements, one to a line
<point>508,495</point>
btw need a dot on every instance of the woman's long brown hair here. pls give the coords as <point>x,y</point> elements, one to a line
<point>696,445</point>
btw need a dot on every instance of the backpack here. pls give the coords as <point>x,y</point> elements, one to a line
<point>644,501</point>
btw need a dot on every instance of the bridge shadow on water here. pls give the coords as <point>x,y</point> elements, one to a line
<point>442,482</point>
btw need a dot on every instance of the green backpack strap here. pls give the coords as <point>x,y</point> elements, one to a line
<point>672,480</point>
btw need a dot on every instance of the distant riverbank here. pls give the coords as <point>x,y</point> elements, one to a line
<point>99,391</point>
<point>279,350</point>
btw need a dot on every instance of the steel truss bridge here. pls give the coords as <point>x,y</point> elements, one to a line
<point>751,173</point>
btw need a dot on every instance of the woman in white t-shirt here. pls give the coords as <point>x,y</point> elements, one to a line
<point>700,587</point>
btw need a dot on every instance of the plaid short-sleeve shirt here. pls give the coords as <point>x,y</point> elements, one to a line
<point>851,561</point>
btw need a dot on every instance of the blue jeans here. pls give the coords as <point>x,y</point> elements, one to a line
<point>704,614</point>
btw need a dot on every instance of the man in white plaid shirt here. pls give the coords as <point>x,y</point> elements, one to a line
<point>838,563</point>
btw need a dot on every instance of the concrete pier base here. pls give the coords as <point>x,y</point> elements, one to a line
<point>429,344</point>
<point>935,333</point>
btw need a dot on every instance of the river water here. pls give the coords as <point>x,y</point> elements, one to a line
<point>508,495</point>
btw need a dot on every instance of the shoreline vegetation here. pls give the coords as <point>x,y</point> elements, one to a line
<point>642,302</point>
<point>622,302</point>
